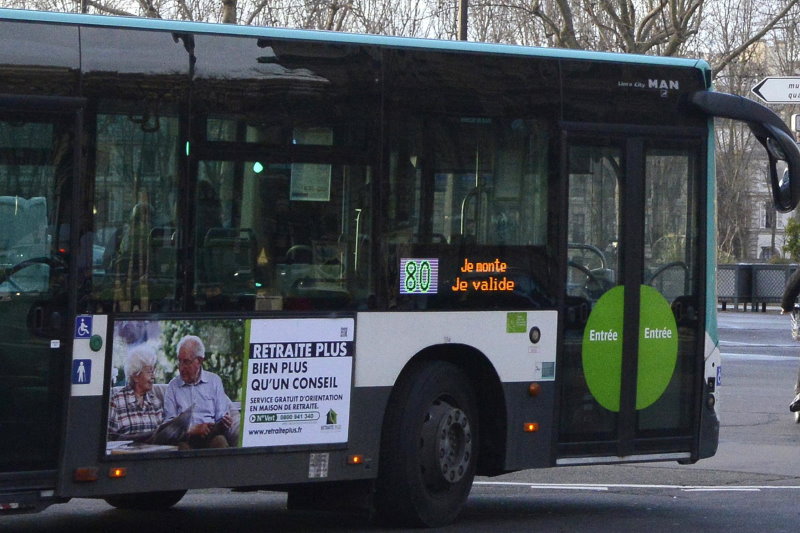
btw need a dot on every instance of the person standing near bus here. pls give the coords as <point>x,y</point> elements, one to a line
<point>787,305</point>
<point>201,391</point>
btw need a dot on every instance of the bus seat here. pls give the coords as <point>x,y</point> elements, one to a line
<point>228,259</point>
<point>163,252</point>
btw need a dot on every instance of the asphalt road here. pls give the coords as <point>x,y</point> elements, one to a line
<point>752,484</point>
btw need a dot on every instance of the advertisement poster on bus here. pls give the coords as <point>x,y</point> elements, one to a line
<point>298,382</point>
<point>179,385</point>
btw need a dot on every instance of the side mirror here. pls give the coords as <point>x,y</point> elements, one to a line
<point>770,131</point>
<point>781,146</point>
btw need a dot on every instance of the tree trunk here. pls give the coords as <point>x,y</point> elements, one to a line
<point>229,11</point>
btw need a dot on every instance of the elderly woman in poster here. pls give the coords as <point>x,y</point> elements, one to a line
<point>135,409</point>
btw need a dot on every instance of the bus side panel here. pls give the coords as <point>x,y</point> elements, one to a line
<point>526,446</point>
<point>194,470</point>
<point>387,342</point>
<point>316,451</point>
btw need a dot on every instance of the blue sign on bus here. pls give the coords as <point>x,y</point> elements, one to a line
<point>83,327</point>
<point>81,371</point>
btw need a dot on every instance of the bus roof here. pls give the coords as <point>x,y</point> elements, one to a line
<point>341,37</point>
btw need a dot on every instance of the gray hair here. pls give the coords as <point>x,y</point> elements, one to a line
<point>138,358</point>
<point>194,344</point>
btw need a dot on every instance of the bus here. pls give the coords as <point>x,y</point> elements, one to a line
<point>358,269</point>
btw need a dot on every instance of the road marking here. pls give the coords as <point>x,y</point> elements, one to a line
<point>735,343</point>
<point>760,357</point>
<point>720,489</point>
<point>608,486</point>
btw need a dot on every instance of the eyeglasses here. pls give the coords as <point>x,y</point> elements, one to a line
<point>148,370</point>
<point>186,362</point>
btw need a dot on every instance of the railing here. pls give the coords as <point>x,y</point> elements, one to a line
<point>754,284</point>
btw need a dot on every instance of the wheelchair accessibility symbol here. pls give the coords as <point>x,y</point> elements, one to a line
<point>83,327</point>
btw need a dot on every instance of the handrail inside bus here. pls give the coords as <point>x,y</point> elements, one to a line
<point>594,249</point>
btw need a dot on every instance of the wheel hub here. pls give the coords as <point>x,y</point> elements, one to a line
<point>446,446</point>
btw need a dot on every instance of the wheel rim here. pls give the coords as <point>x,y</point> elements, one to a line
<point>445,446</point>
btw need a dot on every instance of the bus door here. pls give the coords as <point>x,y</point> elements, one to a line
<point>36,165</point>
<point>632,327</point>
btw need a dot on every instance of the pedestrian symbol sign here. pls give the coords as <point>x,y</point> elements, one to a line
<point>83,327</point>
<point>81,371</point>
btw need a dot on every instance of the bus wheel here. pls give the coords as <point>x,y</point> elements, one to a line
<point>146,501</point>
<point>429,447</point>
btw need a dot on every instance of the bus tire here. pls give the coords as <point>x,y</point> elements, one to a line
<point>146,501</point>
<point>429,447</point>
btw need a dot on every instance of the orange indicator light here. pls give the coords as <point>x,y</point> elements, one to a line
<point>534,389</point>
<point>85,474</point>
<point>355,459</point>
<point>530,427</point>
<point>116,473</point>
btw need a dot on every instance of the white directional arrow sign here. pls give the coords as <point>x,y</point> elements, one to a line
<point>779,90</point>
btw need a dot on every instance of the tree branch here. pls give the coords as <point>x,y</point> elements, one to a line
<point>755,38</point>
<point>105,9</point>
<point>256,12</point>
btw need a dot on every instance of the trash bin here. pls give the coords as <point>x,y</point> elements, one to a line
<point>768,284</point>
<point>734,285</point>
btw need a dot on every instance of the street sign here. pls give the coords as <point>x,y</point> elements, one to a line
<point>779,90</point>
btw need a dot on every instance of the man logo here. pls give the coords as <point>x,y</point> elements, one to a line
<point>664,85</point>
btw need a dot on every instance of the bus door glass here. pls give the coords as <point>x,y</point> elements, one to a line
<point>632,295</point>
<point>35,182</point>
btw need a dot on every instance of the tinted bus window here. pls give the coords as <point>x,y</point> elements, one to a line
<point>282,196</point>
<point>136,165</point>
<point>135,212</point>
<point>38,59</point>
<point>468,187</point>
<point>35,205</point>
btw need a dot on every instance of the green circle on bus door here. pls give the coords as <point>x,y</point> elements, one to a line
<point>602,348</point>
<point>658,347</point>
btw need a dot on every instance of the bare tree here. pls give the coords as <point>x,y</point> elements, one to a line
<point>741,182</point>
<point>664,27</point>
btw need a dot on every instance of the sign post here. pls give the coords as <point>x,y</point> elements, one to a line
<point>779,90</point>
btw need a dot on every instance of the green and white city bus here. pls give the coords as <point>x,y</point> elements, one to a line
<point>409,262</point>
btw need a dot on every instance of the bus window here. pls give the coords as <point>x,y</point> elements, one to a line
<point>284,175</point>
<point>134,211</point>
<point>593,222</point>
<point>274,236</point>
<point>670,222</point>
<point>470,191</point>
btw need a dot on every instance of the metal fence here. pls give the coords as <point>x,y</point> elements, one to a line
<point>754,284</point>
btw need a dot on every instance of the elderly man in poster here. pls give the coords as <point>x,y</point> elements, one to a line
<point>211,424</point>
